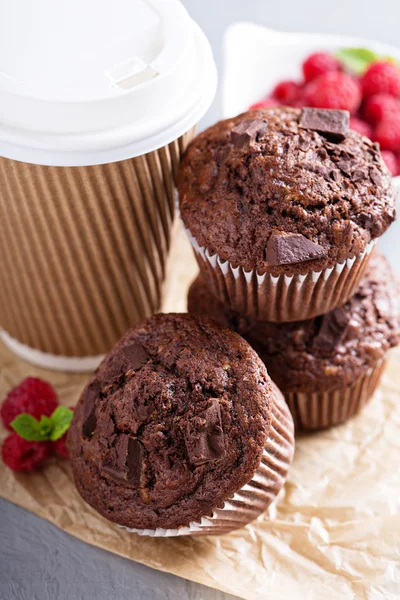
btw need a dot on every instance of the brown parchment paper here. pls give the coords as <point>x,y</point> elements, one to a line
<point>334,532</point>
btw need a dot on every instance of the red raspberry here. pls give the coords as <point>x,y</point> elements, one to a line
<point>380,107</point>
<point>266,103</point>
<point>335,90</point>
<point>390,161</point>
<point>318,64</point>
<point>361,127</point>
<point>32,396</point>
<point>387,134</point>
<point>286,92</point>
<point>20,455</point>
<point>382,77</point>
<point>60,446</point>
<point>304,96</point>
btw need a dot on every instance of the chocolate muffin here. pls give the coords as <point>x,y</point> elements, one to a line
<point>329,366</point>
<point>282,206</point>
<point>180,431</point>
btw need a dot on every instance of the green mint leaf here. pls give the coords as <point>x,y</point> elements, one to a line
<point>357,59</point>
<point>61,419</point>
<point>46,426</point>
<point>28,428</point>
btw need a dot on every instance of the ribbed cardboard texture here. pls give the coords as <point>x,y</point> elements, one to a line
<point>254,498</point>
<point>319,410</point>
<point>84,249</point>
<point>283,298</point>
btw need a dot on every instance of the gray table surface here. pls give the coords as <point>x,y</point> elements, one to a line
<point>39,562</point>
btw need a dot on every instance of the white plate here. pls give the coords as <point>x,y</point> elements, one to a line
<point>257,58</point>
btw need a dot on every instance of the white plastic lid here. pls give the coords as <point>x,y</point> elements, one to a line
<point>93,81</point>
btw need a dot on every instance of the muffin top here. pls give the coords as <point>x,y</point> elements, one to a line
<point>329,351</point>
<point>285,190</point>
<point>173,422</point>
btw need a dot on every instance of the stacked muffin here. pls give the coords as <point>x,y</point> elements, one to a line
<point>283,207</point>
<point>181,431</point>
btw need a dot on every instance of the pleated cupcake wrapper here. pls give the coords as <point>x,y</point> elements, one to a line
<point>84,250</point>
<point>284,297</point>
<point>255,497</point>
<point>319,410</point>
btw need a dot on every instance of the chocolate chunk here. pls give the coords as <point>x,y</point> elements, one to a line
<point>375,176</point>
<point>247,131</point>
<point>304,144</point>
<point>332,123</point>
<point>135,356</point>
<point>171,353</point>
<point>113,371</point>
<point>131,358</point>
<point>134,461</point>
<point>322,153</point>
<point>332,331</point>
<point>345,166</point>
<point>353,329</point>
<point>315,168</point>
<point>204,436</point>
<point>335,175</point>
<point>290,248</point>
<point>358,175</point>
<point>124,460</point>
<point>89,410</point>
<point>346,152</point>
<point>366,220</point>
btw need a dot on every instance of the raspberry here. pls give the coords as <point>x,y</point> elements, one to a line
<point>286,92</point>
<point>390,161</point>
<point>361,127</point>
<point>335,90</point>
<point>20,455</point>
<point>60,446</point>
<point>382,77</point>
<point>380,107</point>
<point>304,96</point>
<point>318,64</point>
<point>387,134</point>
<point>266,103</point>
<point>32,396</point>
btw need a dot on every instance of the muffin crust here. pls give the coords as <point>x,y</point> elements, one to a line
<point>269,173</point>
<point>173,422</point>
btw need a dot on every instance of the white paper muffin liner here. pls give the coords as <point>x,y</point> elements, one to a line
<point>319,410</point>
<point>285,297</point>
<point>254,497</point>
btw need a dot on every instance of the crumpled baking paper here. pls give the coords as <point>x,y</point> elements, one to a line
<point>334,532</point>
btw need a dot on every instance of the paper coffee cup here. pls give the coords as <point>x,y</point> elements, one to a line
<point>91,135</point>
